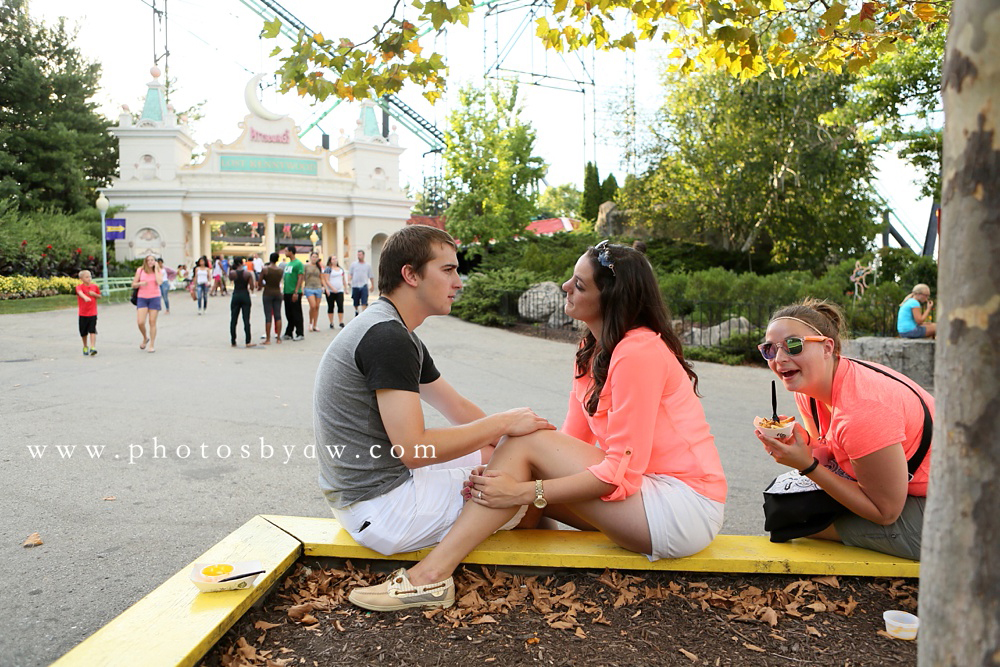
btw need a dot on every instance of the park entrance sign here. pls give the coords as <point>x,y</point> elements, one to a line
<point>348,195</point>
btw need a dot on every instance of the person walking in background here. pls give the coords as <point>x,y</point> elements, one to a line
<point>216,276</point>
<point>333,279</point>
<point>165,287</point>
<point>148,278</point>
<point>202,278</point>
<point>243,284</point>
<point>313,288</point>
<point>361,279</point>
<point>271,277</point>
<point>87,293</point>
<point>292,288</point>
<point>258,266</point>
<point>914,313</point>
<point>225,275</point>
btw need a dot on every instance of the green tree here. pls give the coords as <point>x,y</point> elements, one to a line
<point>592,196</point>
<point>609,189</point>
<point>55,148</point>
<point>724,34</point>
<point>750,165</point>
<point>896,90</point>
<point>559,201</point>
<point>491,175</point>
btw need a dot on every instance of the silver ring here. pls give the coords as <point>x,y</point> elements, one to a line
<point>480,495</point>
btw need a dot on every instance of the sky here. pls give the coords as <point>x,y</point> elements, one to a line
<point>214,50</point>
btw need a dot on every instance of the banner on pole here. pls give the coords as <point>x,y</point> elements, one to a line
<point>114,228</point>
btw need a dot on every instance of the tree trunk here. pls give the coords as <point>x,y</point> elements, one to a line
<point>960,582</point>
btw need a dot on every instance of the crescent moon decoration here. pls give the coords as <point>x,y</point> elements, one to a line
<point>254,104</point>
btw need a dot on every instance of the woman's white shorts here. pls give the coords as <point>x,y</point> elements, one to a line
<point>681,521</point>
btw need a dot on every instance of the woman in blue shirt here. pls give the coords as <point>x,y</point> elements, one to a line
<point>913,314</point>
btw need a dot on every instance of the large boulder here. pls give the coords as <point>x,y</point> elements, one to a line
<point>539,302</point>
<point>912,358</point>
<point>708,336</point>
<point>611,220</point>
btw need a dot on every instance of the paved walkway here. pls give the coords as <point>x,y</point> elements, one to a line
<point>197,438</point>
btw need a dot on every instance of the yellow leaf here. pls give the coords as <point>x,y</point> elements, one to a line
<point>924,11</point>
<point>676,53</point>
<point>318,38</point>
<point>33,540</point>
<point>414,47</point>
<point>776,6</point>
<point>787,36</point>
<point>560,6</point>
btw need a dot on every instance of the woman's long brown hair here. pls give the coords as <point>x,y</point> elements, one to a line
<point>630,298</point>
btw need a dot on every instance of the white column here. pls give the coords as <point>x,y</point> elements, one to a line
<point>269,235</point>
<point>340,239</point>
<point>195,239</point>
<point>206,239</point>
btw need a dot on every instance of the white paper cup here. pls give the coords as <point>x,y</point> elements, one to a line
<point>781,432</point>
<point>900,624</point>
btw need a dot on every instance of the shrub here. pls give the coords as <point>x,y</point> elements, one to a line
<point>490,297</point>
<point>23,287</point>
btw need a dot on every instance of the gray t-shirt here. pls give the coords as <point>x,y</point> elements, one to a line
<point>361,274</point>
<point>375,351</point>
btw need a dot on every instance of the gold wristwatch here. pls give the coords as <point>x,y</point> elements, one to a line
<point>540,501</point>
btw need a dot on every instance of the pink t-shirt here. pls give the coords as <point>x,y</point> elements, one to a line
<point>871,412</point>
<point>648,421</point>
<point>148,289</point>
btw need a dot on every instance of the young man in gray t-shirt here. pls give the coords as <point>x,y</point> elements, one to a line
<point>394,484</point>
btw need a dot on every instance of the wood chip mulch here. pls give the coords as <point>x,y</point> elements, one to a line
<point>577,618</point>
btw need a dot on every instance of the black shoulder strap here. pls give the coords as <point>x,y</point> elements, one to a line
<point>928,428</point>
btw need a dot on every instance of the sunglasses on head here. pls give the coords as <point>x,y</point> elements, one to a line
<point>792,345</point>
<point>604,256</point>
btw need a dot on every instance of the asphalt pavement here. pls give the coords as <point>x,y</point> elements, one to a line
<point>129,465</point>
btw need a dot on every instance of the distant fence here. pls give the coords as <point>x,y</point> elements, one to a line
<point>736,326</point>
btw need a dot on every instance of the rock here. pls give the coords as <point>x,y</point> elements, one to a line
<point>559,319</point>
<point>611,220</point>
<point>912,358</point>
<point>714,335</point>
<point>540,301</point>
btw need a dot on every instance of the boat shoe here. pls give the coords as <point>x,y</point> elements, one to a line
<point>397,593</point>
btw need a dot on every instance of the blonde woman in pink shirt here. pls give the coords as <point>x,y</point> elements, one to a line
<point>634,458</point>
<point>148,305</point>
<point>864,436</point>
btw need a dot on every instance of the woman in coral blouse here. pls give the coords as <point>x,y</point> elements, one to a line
<point>653,483</point>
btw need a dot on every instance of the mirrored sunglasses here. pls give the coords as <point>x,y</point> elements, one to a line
<point>793,345</point>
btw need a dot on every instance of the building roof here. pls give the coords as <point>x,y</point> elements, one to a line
<point>553,225</point>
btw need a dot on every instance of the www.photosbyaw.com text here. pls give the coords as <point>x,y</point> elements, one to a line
<point>156,451</point>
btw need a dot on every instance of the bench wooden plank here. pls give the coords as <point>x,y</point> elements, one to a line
<point>575,549</point>
<point>175,625</point>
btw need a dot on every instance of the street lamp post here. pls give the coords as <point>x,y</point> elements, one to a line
<point>102,206</point>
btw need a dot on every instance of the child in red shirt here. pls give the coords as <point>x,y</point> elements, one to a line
<point>87,294</point>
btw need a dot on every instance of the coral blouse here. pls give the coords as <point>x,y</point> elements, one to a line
<point>648,421</point>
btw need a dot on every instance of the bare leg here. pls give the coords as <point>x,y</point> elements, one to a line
<point>829,533</point>
<point>153,314</point>
<point>141,314</point>
<point>546,455</point>
<point>930,330</point>
<point>277,330</point>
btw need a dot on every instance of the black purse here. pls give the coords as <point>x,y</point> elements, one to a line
<point>795,506</point>
<point>135,296</point>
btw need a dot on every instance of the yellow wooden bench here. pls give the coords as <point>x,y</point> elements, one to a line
<point>175,625</point>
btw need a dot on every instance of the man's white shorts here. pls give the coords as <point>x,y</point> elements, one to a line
<point>681,521</point>
<point>414,515</point>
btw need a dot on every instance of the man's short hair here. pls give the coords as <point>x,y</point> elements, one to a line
<point>290,247</point>
<point>413,246</point>
<point>274,257</point>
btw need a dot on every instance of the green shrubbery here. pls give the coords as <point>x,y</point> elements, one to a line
<point>704,296</point>
<point>490,297</point>
<point>44,244</point>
